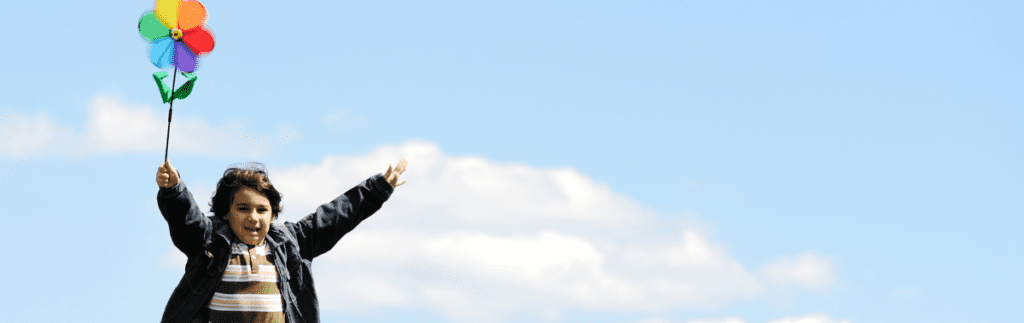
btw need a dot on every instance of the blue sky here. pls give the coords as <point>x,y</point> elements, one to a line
<point>570,161</point>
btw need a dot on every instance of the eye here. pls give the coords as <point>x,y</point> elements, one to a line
<point>262,210</point>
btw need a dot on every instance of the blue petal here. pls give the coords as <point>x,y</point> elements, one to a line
<point>160,52</point>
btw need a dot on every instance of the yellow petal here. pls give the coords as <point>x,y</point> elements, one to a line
<point>167,13</point>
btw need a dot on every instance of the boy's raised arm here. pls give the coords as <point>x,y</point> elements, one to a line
<point>318,232</point>
<point>189,227</point>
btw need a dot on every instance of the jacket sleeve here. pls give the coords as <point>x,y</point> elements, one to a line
<point>189,227</point>
<point>319,231</point>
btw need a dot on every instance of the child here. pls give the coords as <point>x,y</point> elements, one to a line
<point>243,267</point>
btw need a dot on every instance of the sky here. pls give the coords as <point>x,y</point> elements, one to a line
<point>569,161</point>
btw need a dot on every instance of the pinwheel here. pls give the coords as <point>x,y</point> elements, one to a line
<point>178,36</point>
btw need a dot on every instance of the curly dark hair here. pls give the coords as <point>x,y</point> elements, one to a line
<point>252,175</point>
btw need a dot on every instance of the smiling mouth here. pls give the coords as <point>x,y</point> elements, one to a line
<point>253,230</point>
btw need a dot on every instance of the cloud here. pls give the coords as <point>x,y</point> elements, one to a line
<point>810,318</point>
<point>808,271</point>
<point>24,136</point>
<point>172,259</point>
<point>724,320</point>
<point>113,126</point>
<point>482,241</point>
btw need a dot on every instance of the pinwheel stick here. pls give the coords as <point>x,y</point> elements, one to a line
<point>170,112</point>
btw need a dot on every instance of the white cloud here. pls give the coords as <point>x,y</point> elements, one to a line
<point>114,126</point>
<point>481,241</point>
<point>810,318</point>
<point>807,270</point>
<point>172,259</point>
<point>486,242</point>
<point>724,320</point>
<point>24,136</point>
<point>377,290</point>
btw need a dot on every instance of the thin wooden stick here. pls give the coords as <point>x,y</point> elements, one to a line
<point>170,112</point>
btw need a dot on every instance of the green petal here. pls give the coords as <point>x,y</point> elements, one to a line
<point>151,28</point>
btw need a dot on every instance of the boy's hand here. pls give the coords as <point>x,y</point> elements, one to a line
<point>392,175</point>
<point>166,175</point>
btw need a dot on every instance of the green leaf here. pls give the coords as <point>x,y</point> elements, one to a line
<point>165,91</point>
<point>185,89</point>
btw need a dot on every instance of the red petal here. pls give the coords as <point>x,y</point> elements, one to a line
<point>199,40</point>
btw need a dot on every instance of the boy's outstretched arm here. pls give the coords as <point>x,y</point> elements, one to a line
<point>318,232</point>
<point>188,226</point>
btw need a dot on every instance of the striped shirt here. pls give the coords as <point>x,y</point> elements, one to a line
<point>248,290</point>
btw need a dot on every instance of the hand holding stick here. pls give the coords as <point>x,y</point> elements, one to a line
<point>166,175</point>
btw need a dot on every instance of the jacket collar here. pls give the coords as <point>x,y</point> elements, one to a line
<point>222,229</point>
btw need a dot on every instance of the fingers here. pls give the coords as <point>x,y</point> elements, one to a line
<point>401,166</point>
<point>393,173</point>
<point>165,167</point>
<point>161,174</point>
<point>166,175</point>
<point>162,180</point>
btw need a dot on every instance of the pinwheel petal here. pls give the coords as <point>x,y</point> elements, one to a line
<point>167,12</point>
<point>199,40</point>
<point>160,52</point>
<point>151,29</point>
<point>191,14</point>
<point>184,60</point>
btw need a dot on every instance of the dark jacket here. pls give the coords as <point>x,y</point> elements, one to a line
<point>206,241</point>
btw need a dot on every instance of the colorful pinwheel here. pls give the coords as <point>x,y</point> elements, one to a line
<point>176,29</point>
<point>178,36</point>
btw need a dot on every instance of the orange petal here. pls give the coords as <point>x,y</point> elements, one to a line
<point>191,14</point>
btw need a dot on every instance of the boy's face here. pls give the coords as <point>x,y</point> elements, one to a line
<point>250,216</point>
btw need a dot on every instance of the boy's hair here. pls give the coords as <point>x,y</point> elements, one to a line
<point>252,175</point>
